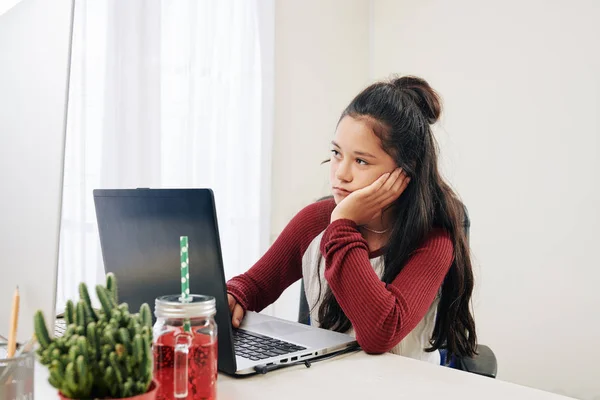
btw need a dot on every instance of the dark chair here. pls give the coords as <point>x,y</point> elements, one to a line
<point>484,363</point>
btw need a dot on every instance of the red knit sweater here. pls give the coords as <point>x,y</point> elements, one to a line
<point>381,315</point>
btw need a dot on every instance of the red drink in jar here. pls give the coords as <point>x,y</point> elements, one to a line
<point>185,348</point>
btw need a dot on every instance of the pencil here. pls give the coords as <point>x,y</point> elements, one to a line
<point>14,319</point>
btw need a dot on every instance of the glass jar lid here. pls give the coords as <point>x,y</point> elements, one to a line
<point>172,306</point>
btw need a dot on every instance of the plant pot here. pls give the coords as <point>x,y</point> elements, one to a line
<point>149,395</point>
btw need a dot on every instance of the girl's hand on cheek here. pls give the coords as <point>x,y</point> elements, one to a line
<point>363,205</point>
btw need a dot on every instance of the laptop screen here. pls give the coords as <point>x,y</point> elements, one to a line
<point>139,234</point>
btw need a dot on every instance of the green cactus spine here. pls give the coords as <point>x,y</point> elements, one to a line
<point>128,387</point>
<point>70,380</point>
<point>146,363</point>
<point>105,300</point>
<point>138,348</point>
<point>41,332</point>
<point>145,315</point>
<point>111,286</point>
<point>85,296</point>
<point>125,339</point>
<point>94,340</point>
<point>80,315</point>
<point>70,313</point>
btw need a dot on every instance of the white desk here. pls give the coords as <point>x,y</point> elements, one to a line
<point>357,376</point>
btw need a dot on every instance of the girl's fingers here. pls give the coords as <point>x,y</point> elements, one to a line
<point>395,175</point>
<point>374,187</point>
<point>231,301</point>
<point>396,191</point>
<point>400,183</point>
<point>238,315</point>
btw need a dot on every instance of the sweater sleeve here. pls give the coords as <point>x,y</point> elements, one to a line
<point>282,263</point>
<point>382,315</point>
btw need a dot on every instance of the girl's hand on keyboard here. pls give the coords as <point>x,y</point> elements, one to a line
<point>236,310</point>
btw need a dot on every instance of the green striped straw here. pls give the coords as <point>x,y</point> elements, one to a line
<point>185,276</point>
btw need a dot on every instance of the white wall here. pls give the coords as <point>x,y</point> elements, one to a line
<point>321,62</point>
<point>520,138</point>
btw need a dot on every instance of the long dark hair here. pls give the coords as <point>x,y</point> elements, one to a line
<point>401,112</point>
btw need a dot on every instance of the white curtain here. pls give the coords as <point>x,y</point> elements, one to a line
<point>169,94</point>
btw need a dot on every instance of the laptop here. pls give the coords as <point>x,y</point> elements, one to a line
<point>35,45</point>
<point>139,235</point>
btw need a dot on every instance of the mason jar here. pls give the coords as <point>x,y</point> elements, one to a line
<point>185,347</point>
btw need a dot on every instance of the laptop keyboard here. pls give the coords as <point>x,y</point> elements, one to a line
<point>258,347</point>
<point>60,327</point>
<point>248,345</point>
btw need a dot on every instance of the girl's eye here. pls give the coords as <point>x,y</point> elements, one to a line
<point>361,162</point>
<point>335,153</point>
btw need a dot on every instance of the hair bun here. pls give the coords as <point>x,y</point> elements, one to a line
<point>424,96</point>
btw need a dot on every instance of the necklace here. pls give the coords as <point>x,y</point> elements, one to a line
<point>374,231</point>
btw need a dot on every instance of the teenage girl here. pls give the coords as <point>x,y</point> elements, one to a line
<point>386,258</point>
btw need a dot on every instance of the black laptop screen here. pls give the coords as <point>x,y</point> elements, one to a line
<point>139,235</point>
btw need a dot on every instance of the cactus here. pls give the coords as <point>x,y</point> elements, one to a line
<point>106,300</point>
<point>41,332</point>
<point>85,296</point>
<point>80,317</point>
<point>70,313</point>
<point>111,286</point>
<point>103,352</point>
<point>145,315</point>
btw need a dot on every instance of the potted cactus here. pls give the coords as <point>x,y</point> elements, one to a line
<point>104,353</point>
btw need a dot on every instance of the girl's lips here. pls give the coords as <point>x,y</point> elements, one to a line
<point>338,190</point>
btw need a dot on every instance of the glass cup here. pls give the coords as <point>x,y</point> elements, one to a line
<point>16,375</point>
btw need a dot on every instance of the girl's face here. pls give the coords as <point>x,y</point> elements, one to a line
<point>357,159</point>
